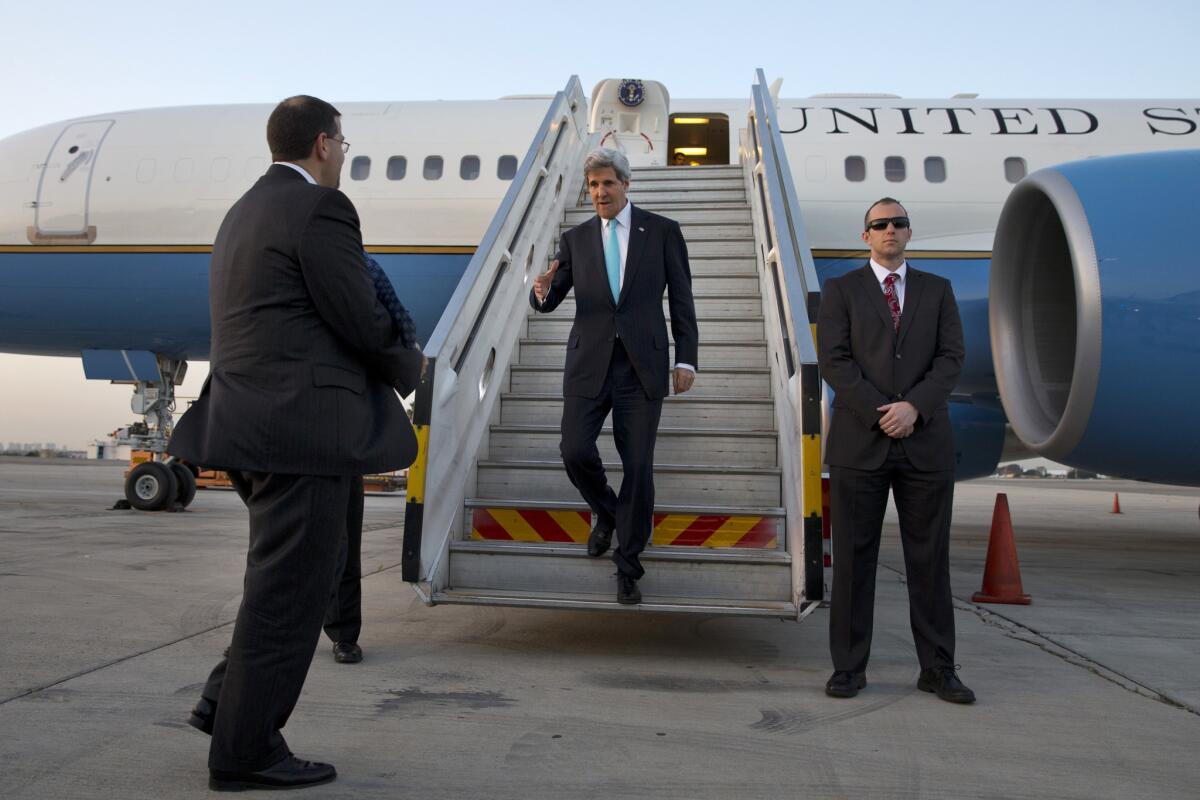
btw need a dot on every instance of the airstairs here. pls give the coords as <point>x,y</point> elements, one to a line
<point>492,517</point>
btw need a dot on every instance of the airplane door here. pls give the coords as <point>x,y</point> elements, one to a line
<point>61,211</point>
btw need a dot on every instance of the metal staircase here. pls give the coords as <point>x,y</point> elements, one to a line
<point>731,533</point>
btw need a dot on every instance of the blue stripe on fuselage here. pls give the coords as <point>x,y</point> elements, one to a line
<point>61,303</point>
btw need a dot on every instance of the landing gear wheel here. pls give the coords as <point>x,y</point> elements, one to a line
<point>151,486</point>
<point>187,483</point>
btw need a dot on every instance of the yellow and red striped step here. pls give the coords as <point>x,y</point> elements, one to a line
<point>570,526</point>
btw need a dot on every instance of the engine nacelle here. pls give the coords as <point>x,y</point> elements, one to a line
<point>1094,305</point>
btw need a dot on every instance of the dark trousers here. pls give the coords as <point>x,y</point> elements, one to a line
<point>635,429</point>
<point>343,617</point>
<point>923,504</point>
<point>297,528</point>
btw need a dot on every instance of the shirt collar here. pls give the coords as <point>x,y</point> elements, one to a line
<point>298,168</point>
<point>882,272</point>
<point>623,216</point>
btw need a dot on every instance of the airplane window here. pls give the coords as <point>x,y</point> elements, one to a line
<point>433,168</point>
<point>893,168</point>
<point>360,168</point>
<point>397,168</point>
<point>856,168</point>
<point>935,169</point>
<point>468,168</point>
<point>506,168</point>
<point>1014,169</point>
<point>145,170</point>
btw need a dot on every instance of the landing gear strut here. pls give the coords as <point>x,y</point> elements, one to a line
<point>159,482</point>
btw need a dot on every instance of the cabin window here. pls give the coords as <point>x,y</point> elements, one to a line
<point>397,168</point>
<point>433,168</point>
<point>360,168</point>
<point>1014,169</point>
<point>468,168</point>
<point>893,169</point>
<point>145,170</point>
<point>506,168</point>
<point>935,169</point>
<point>184,168</point>
<point>856,169</point>
<point>220,168</point>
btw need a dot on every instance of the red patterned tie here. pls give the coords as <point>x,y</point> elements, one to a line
<point>889,293</point>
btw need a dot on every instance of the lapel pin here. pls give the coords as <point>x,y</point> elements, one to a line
<point>640,228</point>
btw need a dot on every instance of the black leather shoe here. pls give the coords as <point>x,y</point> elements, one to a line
<point>599,540</point>
<point>291,773</point>
<point>202,716</point>
<point>845,684</point>
<point>347,653</point>
<point>944,682</point>
<point>628,593</point>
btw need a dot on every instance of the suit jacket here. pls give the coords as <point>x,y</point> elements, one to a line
<point>868,363</point>
<point>656,260</point>
<point>304,356</point>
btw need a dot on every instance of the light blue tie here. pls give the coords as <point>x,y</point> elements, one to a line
<point>612,260</point>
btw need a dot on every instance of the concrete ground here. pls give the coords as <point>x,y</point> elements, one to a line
<point>112,619</point>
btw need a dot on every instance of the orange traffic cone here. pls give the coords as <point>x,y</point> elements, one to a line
<point>1116,503</point>
<point>1002,573</point>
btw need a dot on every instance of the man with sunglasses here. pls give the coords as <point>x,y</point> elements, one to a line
<point>890,344</point>
<point>299,404</point>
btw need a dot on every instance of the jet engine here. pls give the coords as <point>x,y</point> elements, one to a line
<point>1094,306</point>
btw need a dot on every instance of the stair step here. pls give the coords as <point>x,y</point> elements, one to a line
<point>699,446</point>
<point>649,194</point>
<point>679,411</point>
<point>677,572</point>
<point>750,328</point>
<point>692,183</point>
<point>553,352</point>
<point>707,306</point>
<point>684,173</point>
<point>684,216</point>
<point>708,284</point>
<point>736,531</point>
<point>718,266</point>
<point>680,484</point>
<point>608,602</point>
<point>722,381</point>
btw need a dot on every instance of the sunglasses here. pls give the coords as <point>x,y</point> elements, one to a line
<point>900,223</point>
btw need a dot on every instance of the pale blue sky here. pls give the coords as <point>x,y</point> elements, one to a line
<point>63,60</point>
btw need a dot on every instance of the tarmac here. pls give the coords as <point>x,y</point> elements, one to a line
<point>112,620</point>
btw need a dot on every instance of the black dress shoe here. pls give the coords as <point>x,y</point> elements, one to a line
<point>347,653</point>
<point>628,593</point>
<point>845,684</point>
<point>202,716</point>
<point>944,682</point>
<point>599,540</point>
<point>291,773</point>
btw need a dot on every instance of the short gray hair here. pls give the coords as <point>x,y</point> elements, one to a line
<point>606,157</point>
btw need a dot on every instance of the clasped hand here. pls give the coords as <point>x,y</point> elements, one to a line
<point>898,419</point>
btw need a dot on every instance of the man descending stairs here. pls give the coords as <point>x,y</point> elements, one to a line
<point>719,542</point>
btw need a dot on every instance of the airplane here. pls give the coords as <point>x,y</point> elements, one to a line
<point>106,223</point>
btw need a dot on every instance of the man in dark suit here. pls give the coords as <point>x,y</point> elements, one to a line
<point>300,403</point>
<point>619,262</point>
<point>890,344</point>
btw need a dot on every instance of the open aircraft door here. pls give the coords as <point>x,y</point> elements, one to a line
<point>631,116</point>
<point>61,211</point>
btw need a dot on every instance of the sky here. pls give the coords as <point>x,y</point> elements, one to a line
<point>63,60</point>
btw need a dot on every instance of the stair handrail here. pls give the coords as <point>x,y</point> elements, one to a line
<point>456,398</point>
<point>791,297</point>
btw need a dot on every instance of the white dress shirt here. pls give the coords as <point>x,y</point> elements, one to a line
<point>881,274</point>
<point>298,168</point>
